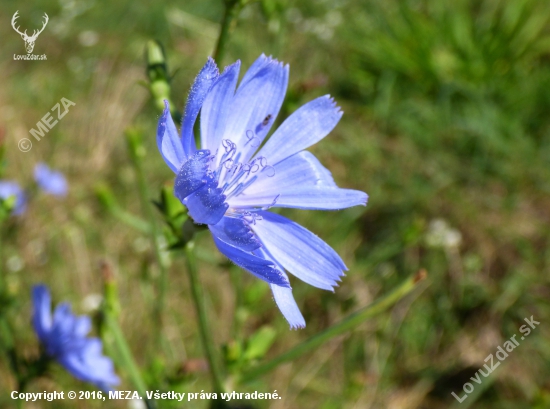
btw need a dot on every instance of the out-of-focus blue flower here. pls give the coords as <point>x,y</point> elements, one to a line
<point>231,182</point>
<point>50,181</point>
<point>8,189</point>
<point>63,336</point>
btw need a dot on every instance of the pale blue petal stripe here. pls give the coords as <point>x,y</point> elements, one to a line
<point>299,251</point>
<point>284,298</point>
<point>308,125</point>
<point>255,106</point>
<point>300,169</point>
<point>299,181</point>
<point>256,66</point>
<point>217,106</point>
<point>286,303</point>
<point>88,364</point>
<point>314,198</point>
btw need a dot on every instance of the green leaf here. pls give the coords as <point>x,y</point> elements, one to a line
<point>259,343</point>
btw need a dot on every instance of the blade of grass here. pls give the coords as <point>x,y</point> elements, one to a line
<point>343,326</point>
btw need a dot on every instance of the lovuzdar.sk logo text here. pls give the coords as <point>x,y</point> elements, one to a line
<point>29,39</point>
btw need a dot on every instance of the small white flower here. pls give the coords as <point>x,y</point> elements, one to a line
<point>92,302</point>
<point>440,234</point>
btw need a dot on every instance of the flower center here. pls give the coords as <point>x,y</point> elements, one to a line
<point>234,176</point>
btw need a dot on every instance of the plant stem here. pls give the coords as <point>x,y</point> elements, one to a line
<point>236,279</point>
<point>127,359</point>
<point>137,153</point>
<point>232,8</point>
<point>163,280</point>
<point>206,335</point>
<point>3,281</point>
<point>7,344</point>
<point>6,339</point>
<point>343,326</point>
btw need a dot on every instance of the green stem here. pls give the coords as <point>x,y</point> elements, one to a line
<point>130,220</point>
<point>163,280</point>
<point>136,151</point>
<point>6,339</point>
<point>126,358</point>
<point>343,326</point>
<point>206,335</point>
<point>232,8</point>
<point>24,372</point>
<point>3,281</point>
<point>7,344</point>
<point>236,279</point>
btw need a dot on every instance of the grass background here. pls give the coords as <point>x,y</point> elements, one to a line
<point>446,126</point>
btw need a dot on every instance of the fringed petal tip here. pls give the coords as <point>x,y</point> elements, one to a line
<point>282,66</point>
<point>169,143</point>
<point>231,67</point>
<point>165,112</point>
<point>334,104</point>
<point>162,119</point>
<point>332,289</point>
<point>287,305</point>
<point>261,62</point>
<point>198,92</point>
<point>337,280</point>
<point>299,251</point>
<point>266,58</point>
<point>270,60</point>
<point>297,326</point>
<point>210,69</point>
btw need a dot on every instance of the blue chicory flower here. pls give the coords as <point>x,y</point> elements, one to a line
<point>232,181</point>
<point>8,189</point>
<point>64,339</point>
<point>50,181</point>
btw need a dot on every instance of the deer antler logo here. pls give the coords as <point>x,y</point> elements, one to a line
<point>29,40</point>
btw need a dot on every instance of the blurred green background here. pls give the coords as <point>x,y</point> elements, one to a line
<point>446,126</point>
